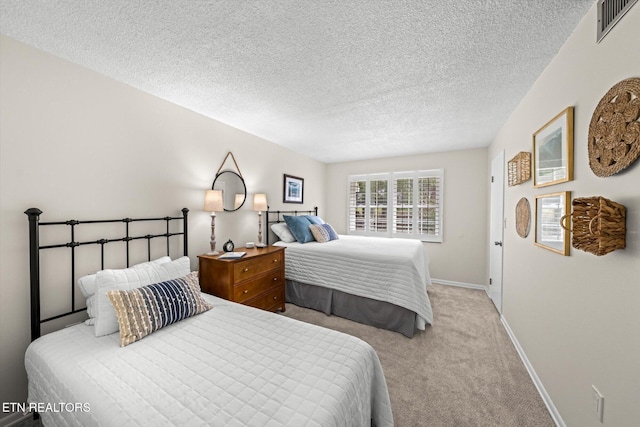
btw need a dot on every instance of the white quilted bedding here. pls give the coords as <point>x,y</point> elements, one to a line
<point>230,366</point>
<point>392,270</point>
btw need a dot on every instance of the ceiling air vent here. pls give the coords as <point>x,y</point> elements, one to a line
<point>609,13</point>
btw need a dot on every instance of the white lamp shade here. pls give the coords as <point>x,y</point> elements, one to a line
<point>259,202</point>
<point>213,201</point>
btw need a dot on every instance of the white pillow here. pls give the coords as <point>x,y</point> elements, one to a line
<point>174,269</point>
<point>161,260</point>
<point>108,280</point>
<point>130,278</point>
<point>282,231</point>
<point>91,310</point>
<point>87,284</point>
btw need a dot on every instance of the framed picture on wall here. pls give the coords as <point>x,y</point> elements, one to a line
<point>550,234</point>
<point>553,151</point>
<point>293,189</point>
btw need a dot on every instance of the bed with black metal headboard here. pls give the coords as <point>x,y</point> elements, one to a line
<point>376,281</point>
<point>198,363</point>
<point>276,217</point>
<point>35,247</point>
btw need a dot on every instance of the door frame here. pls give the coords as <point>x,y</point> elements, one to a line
<point>496,230</point>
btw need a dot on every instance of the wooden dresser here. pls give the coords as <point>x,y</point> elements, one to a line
<point>256,279</point>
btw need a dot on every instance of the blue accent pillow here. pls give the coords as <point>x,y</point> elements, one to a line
<point>144,310</point>
<point>314,219</point>
<point>299,227</point>
<point>323,232</point>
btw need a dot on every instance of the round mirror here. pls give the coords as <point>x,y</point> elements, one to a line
<point>234,191</point>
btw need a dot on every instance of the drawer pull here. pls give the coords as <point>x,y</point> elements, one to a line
<point>275,260</point>
<point>245,270</point>
<point>246,291</point>
<point>275,279</point>
<point>275,298</point>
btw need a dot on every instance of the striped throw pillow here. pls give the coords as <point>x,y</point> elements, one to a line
<point>323,232</point>
<point>144,310</point>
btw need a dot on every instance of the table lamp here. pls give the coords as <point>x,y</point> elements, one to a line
<point>260,204</point>
<point>213,204</point>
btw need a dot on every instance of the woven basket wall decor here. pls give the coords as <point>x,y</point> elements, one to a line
<point>614,131</point>
<point>519,169</point>
<point>598,225</point>
<point>523,217</point>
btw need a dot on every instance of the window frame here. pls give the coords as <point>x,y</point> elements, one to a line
<point>391,230</point>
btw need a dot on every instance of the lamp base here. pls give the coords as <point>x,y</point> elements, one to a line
<point>213,253</point>
<point>260,245</point>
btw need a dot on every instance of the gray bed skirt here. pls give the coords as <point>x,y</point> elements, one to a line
<point>380,314</point>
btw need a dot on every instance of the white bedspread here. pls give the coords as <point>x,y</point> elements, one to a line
<point>230,366</point>
<point>392,270</point>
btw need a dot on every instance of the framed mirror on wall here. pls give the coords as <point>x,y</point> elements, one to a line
<point>234,190</point>
<point>232,186</point>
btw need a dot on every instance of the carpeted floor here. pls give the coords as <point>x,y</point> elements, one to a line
<point>462,371</point>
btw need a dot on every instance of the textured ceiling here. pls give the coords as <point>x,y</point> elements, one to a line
<point>335,80</point>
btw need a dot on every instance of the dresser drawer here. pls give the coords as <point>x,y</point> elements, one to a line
<point>252,267</point>
<point>270,300</point>
<point>246,291</point>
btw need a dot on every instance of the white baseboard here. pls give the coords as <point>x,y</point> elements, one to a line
<point>459,284</point>
<point>14,418</point>
<point>536,380</point>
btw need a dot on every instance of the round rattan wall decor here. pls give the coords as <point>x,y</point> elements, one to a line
<point>523,217</point>
<point>614,131</point>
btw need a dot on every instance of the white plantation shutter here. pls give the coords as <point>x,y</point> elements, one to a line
<point>357,205</point>
<point>400,204</point>
<point>369,204</point>
<point>429,209</point>
<point>403,204</point>
<point>378,205</point>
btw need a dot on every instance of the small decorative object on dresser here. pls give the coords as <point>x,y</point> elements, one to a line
<point>232,255</point>
<point>228,247</point>
<point>256,279</point>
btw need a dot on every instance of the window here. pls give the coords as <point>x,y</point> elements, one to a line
<point>398,204</point>
<point>369,204</point>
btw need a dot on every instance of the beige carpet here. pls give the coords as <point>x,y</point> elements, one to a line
<point>462,371</point>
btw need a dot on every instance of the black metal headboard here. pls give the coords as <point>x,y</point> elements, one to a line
<point>274,217</point>
<point>35,248</point>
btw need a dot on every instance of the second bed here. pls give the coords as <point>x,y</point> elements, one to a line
<point>377,281</point>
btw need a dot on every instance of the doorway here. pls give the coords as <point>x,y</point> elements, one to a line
<point>496,233</point>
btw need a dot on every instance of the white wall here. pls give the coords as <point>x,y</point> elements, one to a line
<point>462,256</point>
<point>578,317</point>
<point>79,145</point>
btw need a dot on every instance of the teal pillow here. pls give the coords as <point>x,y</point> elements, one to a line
<point>299,227</point>
<point>314,219</point>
